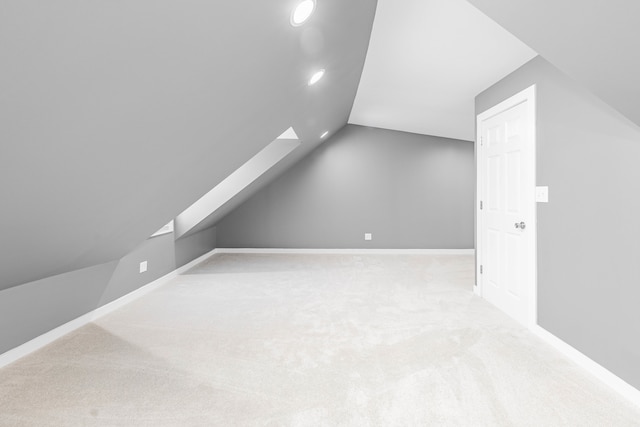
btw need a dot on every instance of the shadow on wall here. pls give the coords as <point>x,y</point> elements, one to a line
<point>35,308</point>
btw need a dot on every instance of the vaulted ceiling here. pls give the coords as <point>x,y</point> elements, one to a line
<point>427,61</point>
<point>116,116</point>
<point>595,42</point>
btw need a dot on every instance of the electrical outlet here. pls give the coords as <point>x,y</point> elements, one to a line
<point>542,194</point>
<point>143,266</point>
<point>368,236</point>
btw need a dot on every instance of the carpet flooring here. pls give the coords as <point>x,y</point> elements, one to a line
<point>308,340</point>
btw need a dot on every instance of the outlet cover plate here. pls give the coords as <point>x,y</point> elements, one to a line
<point>542,194</point>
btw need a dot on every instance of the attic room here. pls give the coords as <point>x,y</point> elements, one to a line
<point>318,212</point>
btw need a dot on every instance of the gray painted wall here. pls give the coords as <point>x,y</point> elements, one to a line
<point>29,310</point>
<point>34,308</point>
<point>409,190</point>
<point>593,41</point>
<point>192,246</point>
<point>588,233</point>
<point>159,253</point>
<point>117,116</point>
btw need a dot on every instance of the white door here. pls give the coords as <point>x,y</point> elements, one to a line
<point>506,215</point>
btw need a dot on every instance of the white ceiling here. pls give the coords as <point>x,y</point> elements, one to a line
<point>427,60</point>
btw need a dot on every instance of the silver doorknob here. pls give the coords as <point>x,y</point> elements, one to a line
<point>521,225</point>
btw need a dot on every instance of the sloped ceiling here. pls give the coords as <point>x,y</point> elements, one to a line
<point>427,61</point>
<point>247,192</point>
<point>196,217</point>
<point>595,42</point>
<point>116,116</point>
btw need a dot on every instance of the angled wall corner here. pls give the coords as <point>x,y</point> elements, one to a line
<point>587,266</point>
<point>411,191</point>
<point>593,42</point>
<point>237,181</point>
<point>96,156</point>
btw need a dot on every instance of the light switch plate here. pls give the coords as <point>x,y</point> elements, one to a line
<point>368,236</point>
<point>542,194</point>
<point>143,266</point>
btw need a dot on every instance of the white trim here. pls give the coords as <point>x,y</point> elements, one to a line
<point>477,291</point>
<point>346,251</point>
<point>166,229</point>
<point>527,95</point>
<point>595,369</point>
<point>603,374</point>
<point>38,342</point>
<point>241,178</point>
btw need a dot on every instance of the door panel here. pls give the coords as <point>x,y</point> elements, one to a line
<point>512,265</point>
<point>506,162</point>
<point>493,184</point>
<point>493,251</point>
<point>513,184</point>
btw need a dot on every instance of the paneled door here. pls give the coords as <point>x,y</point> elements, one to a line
<point>506,210</point>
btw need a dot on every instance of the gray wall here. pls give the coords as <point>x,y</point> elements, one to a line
<point>410,191</point>
<point>29,310</point>
<point>34,308</point>
<point>109,134</point>
<point>116,116</point>
<point>597,45</point>
<point>159,253</point>
<point>192,246</point>
<point>588,233</point>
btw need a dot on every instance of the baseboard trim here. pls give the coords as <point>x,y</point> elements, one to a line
<point>346,251</point>
<point>594,368</point>
<point>149,287</point>
<point>604,375</point>
<point>476,290</point>
<point>47,338</point>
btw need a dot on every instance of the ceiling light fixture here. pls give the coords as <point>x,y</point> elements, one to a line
<point>324,134</point>
<point>316,77</point>
<point>302,12</point>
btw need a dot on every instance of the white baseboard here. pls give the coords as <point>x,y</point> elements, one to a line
<point>37,343</point>
<point>347,251</point>
<point>149,287</point>
<point>604,375</point>
<point>597,370</point>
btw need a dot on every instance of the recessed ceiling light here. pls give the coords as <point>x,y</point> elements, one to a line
<point>324,134</point>
<point>316,77</point>
<point>302,12</point>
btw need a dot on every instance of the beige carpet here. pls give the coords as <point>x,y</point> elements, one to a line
<point>308,340</point>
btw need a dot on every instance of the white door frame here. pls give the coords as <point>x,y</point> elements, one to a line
<point>529,96</point>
